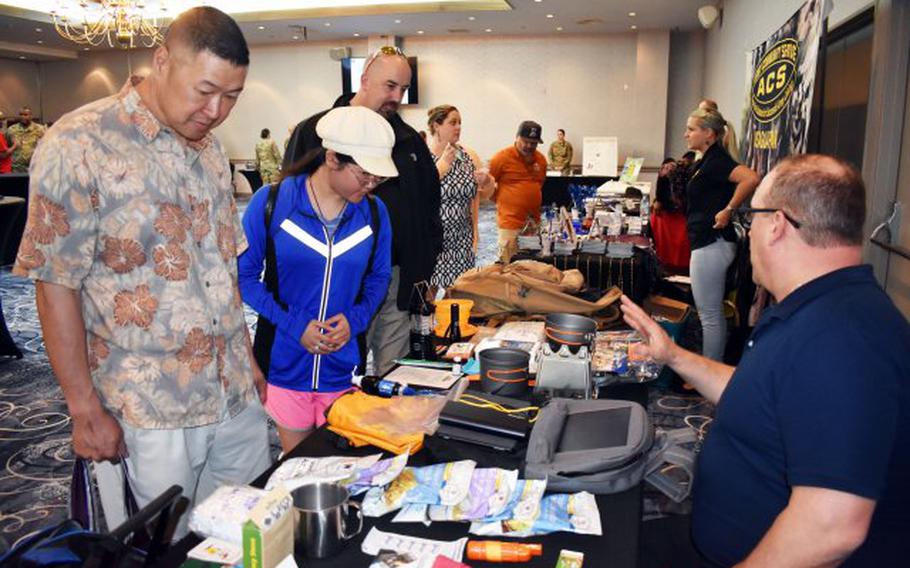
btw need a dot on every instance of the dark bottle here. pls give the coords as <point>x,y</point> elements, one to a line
<point>422,330</point>
<point>455,327</point>
<point>381,387</point>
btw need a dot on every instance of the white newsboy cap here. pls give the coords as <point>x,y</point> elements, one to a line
<point>361,134</point>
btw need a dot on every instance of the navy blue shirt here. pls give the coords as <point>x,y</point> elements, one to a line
<point>821,398</point>
<point>709,191</point>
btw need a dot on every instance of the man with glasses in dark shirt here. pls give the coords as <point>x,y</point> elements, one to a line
<point>412,199</point>
<point>806,462</point>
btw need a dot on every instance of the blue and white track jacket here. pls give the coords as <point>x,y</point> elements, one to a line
<point>317,279</point>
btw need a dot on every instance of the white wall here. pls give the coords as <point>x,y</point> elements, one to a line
<point>686,86</point>
<point>746,23</point>
<point>591,85</point>
<point>19,86</point>
<point>67,85</point>
<point>613,85</point>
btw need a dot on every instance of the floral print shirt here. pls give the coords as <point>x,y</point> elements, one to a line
<point>143,223</point>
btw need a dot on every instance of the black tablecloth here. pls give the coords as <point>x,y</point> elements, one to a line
<point>556,188</point>
<point>635,276</point>
<point>253,177</point>
<point>620,516</point>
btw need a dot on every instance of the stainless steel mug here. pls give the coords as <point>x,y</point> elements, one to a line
<point>324,519</point>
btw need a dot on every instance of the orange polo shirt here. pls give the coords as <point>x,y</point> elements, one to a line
<point>519,187</point>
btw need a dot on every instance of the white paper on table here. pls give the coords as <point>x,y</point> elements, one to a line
<point>532,331</point>
<point>377,540</point>
<point>423,377</point>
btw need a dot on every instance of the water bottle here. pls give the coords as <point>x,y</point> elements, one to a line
<point>381,387</point>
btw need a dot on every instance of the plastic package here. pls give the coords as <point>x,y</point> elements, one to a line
<point>577,512</point>
<point>488,496</point>
<point>223,513</point>
<point>439,484</point>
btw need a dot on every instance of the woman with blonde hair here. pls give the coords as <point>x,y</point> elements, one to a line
<point>718,185</point>
<point>730,143</point>
<point>463,181</point>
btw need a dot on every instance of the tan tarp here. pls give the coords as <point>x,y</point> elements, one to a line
<point>526,286</point>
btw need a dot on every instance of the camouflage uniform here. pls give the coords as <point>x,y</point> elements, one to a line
<point>268,160</point>
<point>560,156</point>
<point>27,137</point>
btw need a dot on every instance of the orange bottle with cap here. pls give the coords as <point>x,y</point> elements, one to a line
<point>498,551</point>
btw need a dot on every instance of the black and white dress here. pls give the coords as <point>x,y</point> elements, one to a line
<point>458,188</point>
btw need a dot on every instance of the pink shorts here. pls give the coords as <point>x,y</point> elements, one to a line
<point>298,410</point>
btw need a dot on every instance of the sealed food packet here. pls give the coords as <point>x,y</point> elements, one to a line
<point>570,559</point>
<point>521,510</point>
<point>439,484</point>
<point>577,512</point>
<point>379,474</point>
<point>295,472</point>
<point>489,494</point>
<point>223,513</point>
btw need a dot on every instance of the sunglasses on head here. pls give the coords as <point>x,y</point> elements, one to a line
<point>384,50</point>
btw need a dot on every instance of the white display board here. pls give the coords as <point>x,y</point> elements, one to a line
<point>600,155</point>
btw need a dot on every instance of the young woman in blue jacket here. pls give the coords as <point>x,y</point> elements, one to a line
<point>323,237</point>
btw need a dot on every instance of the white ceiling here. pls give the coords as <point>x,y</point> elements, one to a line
<point>19,38</point>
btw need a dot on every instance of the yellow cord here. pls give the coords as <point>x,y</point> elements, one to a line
<point>480,402</point>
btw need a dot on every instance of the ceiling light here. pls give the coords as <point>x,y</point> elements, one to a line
<point>420,32</point>
<point>261,27</point>
<point>295,37</point>
<point>120,23</point>
<point>488,30</point>
<point>397,21</point>
<point>472,18</point>
<point>327,24</point>
<point>634,27</point>
<point>559,28</point>
<point>631,14</point>
<point>39,30</point>
<point>538,1</point>
<point>40,41</point>
<point>356,34</point>
<point>549,15</point>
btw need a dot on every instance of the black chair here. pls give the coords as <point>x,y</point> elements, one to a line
<point>149,532</point>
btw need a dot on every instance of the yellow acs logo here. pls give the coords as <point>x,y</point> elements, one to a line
<point>773,81</point>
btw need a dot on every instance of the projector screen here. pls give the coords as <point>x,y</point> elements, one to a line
<point>352,68</point>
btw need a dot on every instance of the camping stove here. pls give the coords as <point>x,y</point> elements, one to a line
<point>565,374</point>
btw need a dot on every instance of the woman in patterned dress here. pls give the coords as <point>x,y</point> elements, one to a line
<point>463,181</point>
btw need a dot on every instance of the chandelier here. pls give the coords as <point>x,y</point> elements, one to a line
<point>119,23</point>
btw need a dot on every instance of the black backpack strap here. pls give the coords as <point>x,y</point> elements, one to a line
<point>271,262</point>
<point>374,225</point>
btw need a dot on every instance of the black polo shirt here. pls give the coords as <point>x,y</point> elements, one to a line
<point>708,192</point>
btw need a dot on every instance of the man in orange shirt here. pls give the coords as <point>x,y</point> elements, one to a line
<point>519,171</point>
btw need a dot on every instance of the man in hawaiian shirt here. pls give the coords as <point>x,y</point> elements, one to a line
<point>132,239</point>
<point>25,135</point>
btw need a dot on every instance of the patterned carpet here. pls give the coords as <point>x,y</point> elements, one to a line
<point>35,453</point>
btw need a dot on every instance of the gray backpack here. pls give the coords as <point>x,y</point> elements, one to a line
<point>606,446</point>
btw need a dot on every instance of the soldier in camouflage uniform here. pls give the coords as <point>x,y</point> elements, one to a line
<point>268,158</point>
<point>560,154</point>
<point>25,136</point>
